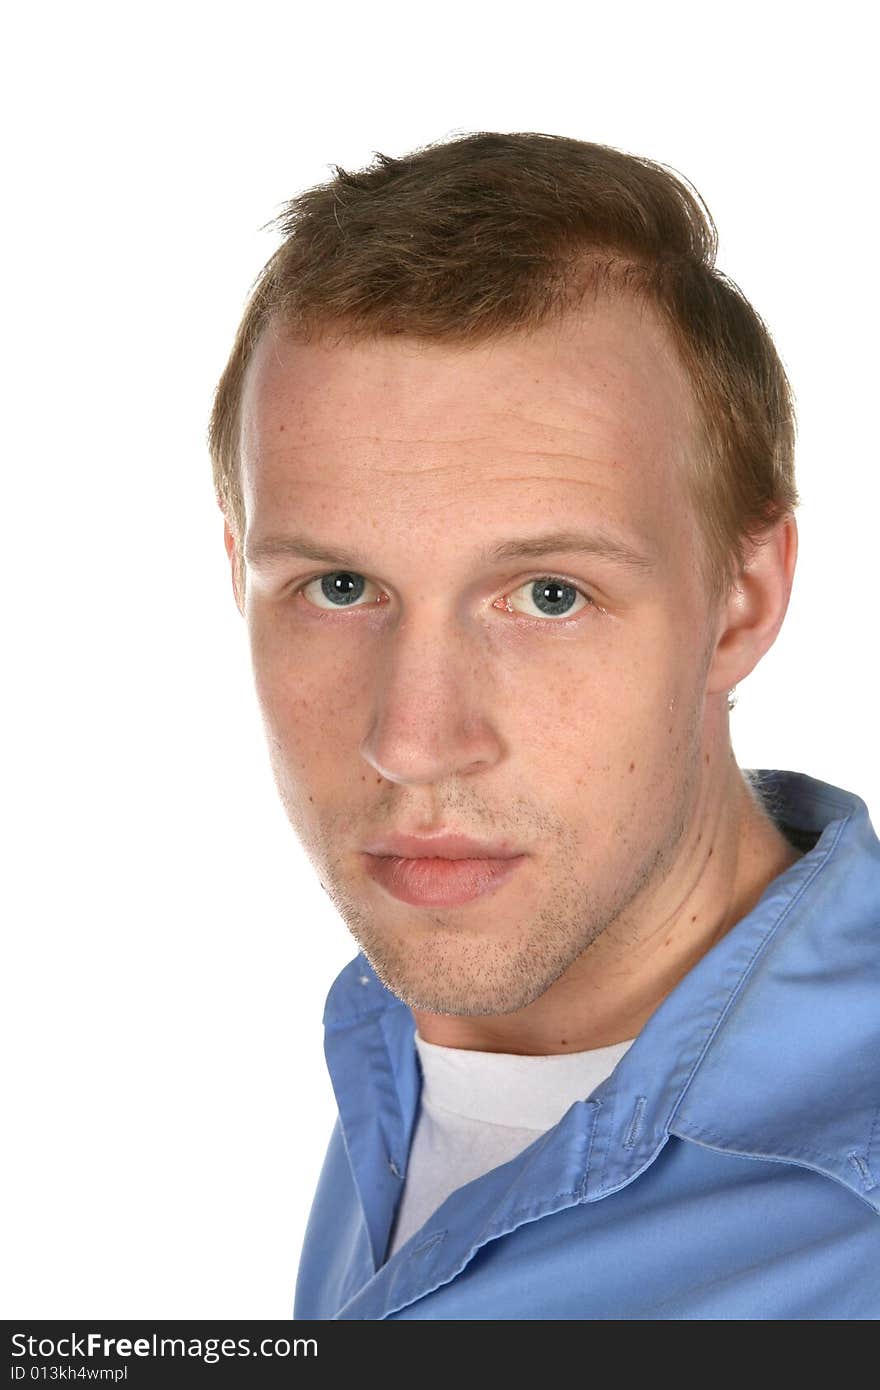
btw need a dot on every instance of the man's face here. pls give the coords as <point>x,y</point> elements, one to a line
<point>459,692</point>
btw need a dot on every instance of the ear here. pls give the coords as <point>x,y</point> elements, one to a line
<point>229,542</point>
<point>753,613</point>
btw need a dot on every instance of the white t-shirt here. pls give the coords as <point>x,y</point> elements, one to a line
<point>480,1109</point>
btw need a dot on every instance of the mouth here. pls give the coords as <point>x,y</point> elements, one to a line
<point>436,882</point>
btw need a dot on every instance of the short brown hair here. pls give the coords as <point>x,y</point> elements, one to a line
<point>489,234</point>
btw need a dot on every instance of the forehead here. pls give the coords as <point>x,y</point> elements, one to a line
<point>592,414</point>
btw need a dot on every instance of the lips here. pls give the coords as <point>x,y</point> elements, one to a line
<point>426,881</point>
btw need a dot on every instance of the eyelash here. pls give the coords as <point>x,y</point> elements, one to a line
<point>564,621</point>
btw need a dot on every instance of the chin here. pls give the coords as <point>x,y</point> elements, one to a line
<point>456,991</point>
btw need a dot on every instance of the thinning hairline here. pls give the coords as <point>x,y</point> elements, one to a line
<point>609,274</point>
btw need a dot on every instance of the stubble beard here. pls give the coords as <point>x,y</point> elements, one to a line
<point>443,965</point>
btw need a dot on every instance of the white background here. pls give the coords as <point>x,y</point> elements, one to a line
<point>168,947</point>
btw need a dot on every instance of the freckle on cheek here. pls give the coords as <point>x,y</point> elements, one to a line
<point>632,767</point>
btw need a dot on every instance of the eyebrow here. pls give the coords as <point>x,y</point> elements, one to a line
<point>598,543</point>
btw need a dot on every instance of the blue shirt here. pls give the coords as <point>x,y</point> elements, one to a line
<point>729,1167</point>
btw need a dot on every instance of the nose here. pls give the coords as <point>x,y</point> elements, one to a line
<point>433,714</point>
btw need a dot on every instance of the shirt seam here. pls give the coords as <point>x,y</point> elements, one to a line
<point>788,1151</point>
<point>819,1164</point>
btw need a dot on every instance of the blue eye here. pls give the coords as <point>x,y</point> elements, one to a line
<point>552,596</point>
<point>341,588</point>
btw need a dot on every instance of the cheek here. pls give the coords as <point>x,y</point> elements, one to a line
<point>626,725</point>
<point>303,686</point>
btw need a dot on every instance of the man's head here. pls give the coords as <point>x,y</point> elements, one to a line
<point>494,341</point>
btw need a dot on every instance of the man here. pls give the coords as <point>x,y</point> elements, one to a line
<point>506,467</point>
